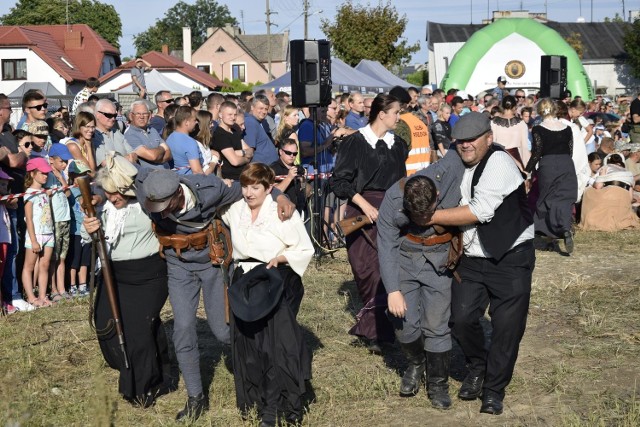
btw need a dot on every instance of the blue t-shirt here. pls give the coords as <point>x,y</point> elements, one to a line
<point>77,214</point>
<point>183,148</point>
<point>256,137</point>
<point>305,134</point>
<point>59,203</point>
<point>453,119</point>
<point>355,120</point>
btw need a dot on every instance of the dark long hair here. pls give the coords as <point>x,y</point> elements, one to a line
<point>381,103</point>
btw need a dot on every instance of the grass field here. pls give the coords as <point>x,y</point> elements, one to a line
<point>579,361</point>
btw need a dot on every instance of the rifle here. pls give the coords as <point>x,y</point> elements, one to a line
<point>98,238</point>
<point>349,225</point>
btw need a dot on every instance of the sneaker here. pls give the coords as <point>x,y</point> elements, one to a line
<point>22,305</point>
<point>83,291</point>
<point>73,291</point>
<point>8,308</point>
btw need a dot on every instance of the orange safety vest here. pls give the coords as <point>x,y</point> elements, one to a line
<point>420,154</point>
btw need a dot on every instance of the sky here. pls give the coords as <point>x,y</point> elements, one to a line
<point>138,15</point>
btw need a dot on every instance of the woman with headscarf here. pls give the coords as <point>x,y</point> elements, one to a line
<point>140,276</point>
<point>607,206</point>
<point>368,162</point>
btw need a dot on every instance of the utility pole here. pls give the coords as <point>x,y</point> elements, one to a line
<point>268,13</point>
<point>624,17</point>
<point>242,20</point>
<point>305,11</point>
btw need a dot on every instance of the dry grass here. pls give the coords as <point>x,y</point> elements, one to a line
<point>578,363</point>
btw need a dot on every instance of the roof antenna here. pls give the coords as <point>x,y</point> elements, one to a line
<point>67,12</point>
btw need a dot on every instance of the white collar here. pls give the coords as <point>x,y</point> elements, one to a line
<point>372,138</point>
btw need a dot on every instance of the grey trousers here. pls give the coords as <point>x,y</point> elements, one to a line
<point>184,295</point>
<point>428,298</point>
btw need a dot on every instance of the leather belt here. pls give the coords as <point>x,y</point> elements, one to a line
<point>618,184</point>
<point>435,239</point>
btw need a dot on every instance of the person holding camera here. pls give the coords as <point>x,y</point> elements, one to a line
<point>294,183</point>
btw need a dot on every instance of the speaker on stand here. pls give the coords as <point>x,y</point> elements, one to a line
<point>311,87</point>
<point>553,76</point>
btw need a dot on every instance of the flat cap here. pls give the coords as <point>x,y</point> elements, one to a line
<point>160,187</point>
<point>471,126</point>
<point>400,93</point>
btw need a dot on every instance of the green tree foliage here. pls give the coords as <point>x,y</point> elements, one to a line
<point>575,41</point>
<point>419,78</point>
<point>102,17</point>
<point>236,85</point>
<point>631,43</point>
<point>616,18</point>
<point>168,30</point>
<point>361,32</point>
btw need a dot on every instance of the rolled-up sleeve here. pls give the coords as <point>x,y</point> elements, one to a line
<point>389,238</point>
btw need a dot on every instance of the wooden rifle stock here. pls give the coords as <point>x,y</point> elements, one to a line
<point>107,275</point>
<point>349,225</point>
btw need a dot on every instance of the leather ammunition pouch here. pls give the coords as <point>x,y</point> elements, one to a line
<point>215,236</point>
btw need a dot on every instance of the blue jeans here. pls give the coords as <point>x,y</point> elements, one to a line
<point>10,277</point>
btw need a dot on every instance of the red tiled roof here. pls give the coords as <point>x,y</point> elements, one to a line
<point>160,61</point>
<point>48,42</point>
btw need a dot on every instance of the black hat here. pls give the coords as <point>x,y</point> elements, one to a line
<point>471,126</point>
<point>160,186</point>
<point>400,93</point>
<point>256,294</point>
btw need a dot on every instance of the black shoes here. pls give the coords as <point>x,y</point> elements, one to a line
<point>438,379</point>
<point>195,406</point>
<point>491,404</point>
<point>568,242</point>
<point>471,388</point>
<point>415,354</point>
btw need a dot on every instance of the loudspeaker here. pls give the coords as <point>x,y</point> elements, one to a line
<point>553,76</point>
<point>310,73</point>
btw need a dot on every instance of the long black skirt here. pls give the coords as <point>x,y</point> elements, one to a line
<point>270,358</point>
<point>558,188</point>
<point>141,289</point>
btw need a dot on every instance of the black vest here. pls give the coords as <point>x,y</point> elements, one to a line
<point>511,218</point>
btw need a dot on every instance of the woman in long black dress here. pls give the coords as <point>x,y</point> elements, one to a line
<point>368,162</point>
<point>141,289</point>
<point>552,148</point>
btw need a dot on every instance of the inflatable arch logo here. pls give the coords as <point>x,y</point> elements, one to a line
<point>513,47</point>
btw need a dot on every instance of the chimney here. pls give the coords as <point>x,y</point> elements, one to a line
<point>210,31</point>
<point>73,40</point>
<point>186,44</point>
<point>165,49</point>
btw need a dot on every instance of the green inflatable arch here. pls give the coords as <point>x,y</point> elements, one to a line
<point>550,42</point>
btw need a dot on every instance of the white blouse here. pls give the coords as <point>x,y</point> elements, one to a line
<point>268,237</point>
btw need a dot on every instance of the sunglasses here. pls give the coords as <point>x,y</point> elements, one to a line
<point>168,101</point>
<point>290,153</point>
<point>26,145</point>
<point>40,107</point>
<point>519,97</point>
<point>109,115</point>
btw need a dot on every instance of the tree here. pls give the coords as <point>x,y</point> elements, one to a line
<point>616,18</point>
<point>361,32</point>
<point>102,17</point>
<point>575,41</point>
<point>168,30</point>
<point>418,78</point>
<point>631,42</point>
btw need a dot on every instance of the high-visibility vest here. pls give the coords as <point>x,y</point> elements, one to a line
<point>420,154</point>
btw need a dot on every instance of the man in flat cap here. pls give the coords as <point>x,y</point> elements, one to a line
<point>182,208</point>
<point>497,264</point>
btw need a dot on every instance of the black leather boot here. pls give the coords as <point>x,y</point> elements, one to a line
<point>438,379</point>
<point>410,383</point>
<point>471,387</point>
<point>195,406</point>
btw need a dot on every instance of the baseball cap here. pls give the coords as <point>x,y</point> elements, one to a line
<point>160,186</point>
<point>39,163</point>
<point>60,150</point>
<point>78,167</point>
<point>38,128</point>
<point>502,79</point>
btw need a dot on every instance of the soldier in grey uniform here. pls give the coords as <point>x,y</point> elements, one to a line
<point>185,205</point>
<point>412,258</point>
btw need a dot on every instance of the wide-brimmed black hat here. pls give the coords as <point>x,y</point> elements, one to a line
<point>256,293</point>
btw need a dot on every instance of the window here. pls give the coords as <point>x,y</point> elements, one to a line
<point>14,69</point>
<point>220,49</point>
<point>237,72</point>
<point>205,68</point>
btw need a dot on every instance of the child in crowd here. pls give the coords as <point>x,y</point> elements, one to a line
<point>59,156</point>
<point>39,240</point>
<point>24,140</point>
<point>5,232</point>
<point>80,253</point>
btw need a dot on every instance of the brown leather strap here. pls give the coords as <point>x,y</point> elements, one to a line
<point>436,239</point>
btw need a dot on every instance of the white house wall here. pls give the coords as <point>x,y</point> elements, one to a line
<point>614,77</point>
<point>440,52</point>
<point>37,71</point>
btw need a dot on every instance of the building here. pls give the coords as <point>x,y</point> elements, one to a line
<point>229,54</point>
<point>63,55</point>
<point>602,54</point>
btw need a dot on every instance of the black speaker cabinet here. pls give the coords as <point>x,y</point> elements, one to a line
<point>553,76</point>
<point>310,73</point>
